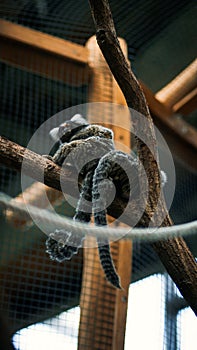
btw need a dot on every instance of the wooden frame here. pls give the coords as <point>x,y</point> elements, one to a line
<point>179,96</point>
<point>19,44</point>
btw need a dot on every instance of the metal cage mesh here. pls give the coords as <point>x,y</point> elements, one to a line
<point>33,288</point>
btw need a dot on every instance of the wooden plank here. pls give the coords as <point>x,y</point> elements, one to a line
<point>178,126</point>
<point>188,104</point>
<point>45,42</point>
<point>157,108</point>
<point>104,308</point>
<point>124,268</point>
<point>97,304</point>
<point>43,54</point>
<point>175,123</point>
<point>181,137</point>
<point>179,86</point>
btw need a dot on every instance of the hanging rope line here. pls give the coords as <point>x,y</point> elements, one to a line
<point>61,222</point>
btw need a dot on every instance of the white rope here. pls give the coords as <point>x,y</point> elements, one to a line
<point>61,222</point>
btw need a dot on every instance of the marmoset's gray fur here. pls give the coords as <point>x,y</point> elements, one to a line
<point>90,149</point>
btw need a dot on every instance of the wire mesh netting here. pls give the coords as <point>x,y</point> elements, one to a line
<point>39,298</point>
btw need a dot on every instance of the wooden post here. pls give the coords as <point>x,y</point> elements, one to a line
<point>103,308</point>
<point>179,87</point>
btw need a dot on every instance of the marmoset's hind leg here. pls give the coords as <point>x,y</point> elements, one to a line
<point>84,206</point>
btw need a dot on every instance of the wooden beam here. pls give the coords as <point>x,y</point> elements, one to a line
<point>182,129</point>
<point>188,104</point>
<point>157,107</point>
<point>104,88</point>
<point>124,268</point>
<point>104,308</point>
<point>43,54</point>
<point>43,41</point>
<point>179,86</point>
<point>181,137</point>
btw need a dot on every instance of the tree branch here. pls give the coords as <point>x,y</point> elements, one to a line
<point>133,93</point>
<point>12,155</point>
<point>173,253</point>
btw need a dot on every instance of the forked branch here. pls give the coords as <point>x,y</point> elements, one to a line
<point>174,253</point>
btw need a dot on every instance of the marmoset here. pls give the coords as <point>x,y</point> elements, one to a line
<point>90,149</point>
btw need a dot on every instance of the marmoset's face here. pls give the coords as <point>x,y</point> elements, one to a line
<point>66,130</point>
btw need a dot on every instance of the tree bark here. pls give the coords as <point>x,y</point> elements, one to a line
<point>12,155</point>
<point>174,253</point>
<point>39,168</point>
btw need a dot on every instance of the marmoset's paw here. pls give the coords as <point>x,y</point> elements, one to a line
<point>47,156</point>
<point>62,245</point>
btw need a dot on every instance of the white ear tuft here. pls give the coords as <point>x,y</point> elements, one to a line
<point>77,118</point>
<point>54,133</point>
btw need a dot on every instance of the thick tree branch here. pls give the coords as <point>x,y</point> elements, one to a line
<point>173,253</point>
<point>110,47</point>
<point>39,168</point>
<point>13,155</point>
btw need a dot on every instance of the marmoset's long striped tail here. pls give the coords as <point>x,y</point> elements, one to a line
<point>83,208</point>
<point>113,168</point>
<point>100,189</point>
